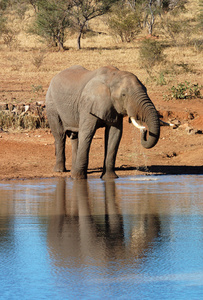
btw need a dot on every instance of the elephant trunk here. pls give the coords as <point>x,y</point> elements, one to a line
<point>150,136</point>
<point>145,112</point>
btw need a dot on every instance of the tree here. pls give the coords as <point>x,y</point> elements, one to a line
<point>52,19</point>
<point>154,8</point>
<point>6,32</point>
<point>125,23</point>
<point>150,13</point>
<point>200,15</point>
<point>35,4</point>
<point>151,9</point>
<point>86,10</point>
<point>3,6</point>
<point>147,9</point>
<point>2,23</point>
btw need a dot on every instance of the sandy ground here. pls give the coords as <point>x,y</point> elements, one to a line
<point>179,151</point>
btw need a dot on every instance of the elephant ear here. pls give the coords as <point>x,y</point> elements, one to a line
<point>100,102</point>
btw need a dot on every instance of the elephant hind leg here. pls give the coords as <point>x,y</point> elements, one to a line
<point>60,154</point>
<point>74,143</point>
<point>60,140</point>
<point>80,162</point>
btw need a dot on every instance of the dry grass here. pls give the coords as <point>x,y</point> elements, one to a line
<point>20,70</point>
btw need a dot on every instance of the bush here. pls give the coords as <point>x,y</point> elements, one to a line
<point>52,19</point>
<point>184,90</point>
<point>179,31</point>
<point>10,119</point>
<point>38,59</point>
<point>151,53</point>
<point>198,44</point>
<point>9,38</point>
<point>125,24</point>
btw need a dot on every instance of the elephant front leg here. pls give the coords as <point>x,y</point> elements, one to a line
<point>79,168</point>
<point>112,140</point>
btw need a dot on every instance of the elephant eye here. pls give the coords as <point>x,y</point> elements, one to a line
<point>123,95</point>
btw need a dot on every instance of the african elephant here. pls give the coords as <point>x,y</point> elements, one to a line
<point>79,101</point>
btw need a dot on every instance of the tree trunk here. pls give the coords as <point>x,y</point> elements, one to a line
<point>150,23</point>
<point>79,40</point>
<point>150,27</point>
<point>60,39</point>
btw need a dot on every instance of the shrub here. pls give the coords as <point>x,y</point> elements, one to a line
<point>9,38</point>
<point>161,80</point>
<point>184,90</point>
<point>125,24</point>
<point>151,53</point>
<point>9,119</point>
<point>198,44</point>
<point>38,59</point>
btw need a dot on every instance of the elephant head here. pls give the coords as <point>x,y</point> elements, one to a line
<point>126,95</point>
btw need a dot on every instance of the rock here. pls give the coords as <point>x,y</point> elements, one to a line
<point>186,127</point>
<point>40,103</point>
<point>175,122</point>
<point>197,131</point>
<point>191,116</point>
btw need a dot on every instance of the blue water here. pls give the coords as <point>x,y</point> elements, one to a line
<point>136,237</point>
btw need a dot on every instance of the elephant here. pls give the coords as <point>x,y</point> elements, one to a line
<point>79,101</point>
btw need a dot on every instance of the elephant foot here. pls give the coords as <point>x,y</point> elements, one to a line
<point>109,175</point>
<point>59,168</point>
<point>78,175</point>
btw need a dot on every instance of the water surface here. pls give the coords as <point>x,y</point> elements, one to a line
<point>137,237</point>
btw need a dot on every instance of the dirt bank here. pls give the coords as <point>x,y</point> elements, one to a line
<point>179,151</point>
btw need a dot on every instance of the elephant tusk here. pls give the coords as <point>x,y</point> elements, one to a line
<point>136,124</point>
<point>162,123</point>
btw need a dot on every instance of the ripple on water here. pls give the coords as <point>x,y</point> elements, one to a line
<point>93,239</point>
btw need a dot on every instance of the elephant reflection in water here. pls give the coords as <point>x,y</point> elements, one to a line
<point>76,233</point>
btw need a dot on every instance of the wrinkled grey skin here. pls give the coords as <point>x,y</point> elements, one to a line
<point>79,101</point>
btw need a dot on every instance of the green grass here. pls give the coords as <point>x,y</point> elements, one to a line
<point>184,90</point>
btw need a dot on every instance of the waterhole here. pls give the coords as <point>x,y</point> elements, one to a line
<point>138,237</point>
